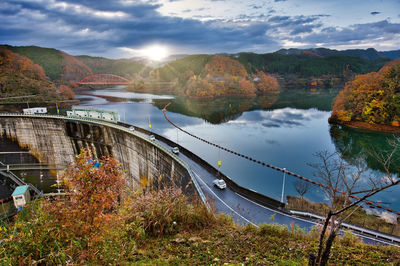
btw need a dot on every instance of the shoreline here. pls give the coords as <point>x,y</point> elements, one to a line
<point>230,95</point>
<point>366,126</point>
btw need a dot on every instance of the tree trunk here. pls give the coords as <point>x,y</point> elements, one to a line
<point>321,238</point>
<point>328,246</point>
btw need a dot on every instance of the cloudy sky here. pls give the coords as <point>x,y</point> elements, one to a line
<point>126,28</point>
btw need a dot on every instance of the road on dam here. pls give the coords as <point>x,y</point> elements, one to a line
<point>244,210</point>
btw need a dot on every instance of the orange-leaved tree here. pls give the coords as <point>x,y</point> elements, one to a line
<point>77,227</point>
<point>94,190</point>
<point>372,97</point>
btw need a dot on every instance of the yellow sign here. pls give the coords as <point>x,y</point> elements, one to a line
<point>219,163</point>
<point>149,126</point>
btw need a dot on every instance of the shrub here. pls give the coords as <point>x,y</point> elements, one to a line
<point>166,211</point>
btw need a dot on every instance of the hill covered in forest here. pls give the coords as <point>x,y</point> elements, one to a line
<point>123,67</point>
<point>369,54</point>
<point>202,75</point>
<point>307,68</point>
<point>66,69</point>
<point>371,100</point>
<point>19,76</point>
<point>59,66</point>
<point>208,76</point>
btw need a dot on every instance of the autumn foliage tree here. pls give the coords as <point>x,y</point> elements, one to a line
<point>94,190</point>
<point>223,76</point>
<point>372,97</point>
<point>66,91</point>
<point>265,83</point>
<point>73,228</point>
<point>19,76</point>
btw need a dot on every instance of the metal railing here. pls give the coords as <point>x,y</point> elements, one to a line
<point>119,127</point>
<point>378,235</point>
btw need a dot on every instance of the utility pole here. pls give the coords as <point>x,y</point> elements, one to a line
<point>283,184</point>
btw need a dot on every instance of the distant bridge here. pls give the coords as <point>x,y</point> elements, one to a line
<point>104,79</point>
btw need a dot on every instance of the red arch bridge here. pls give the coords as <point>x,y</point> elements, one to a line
<point>104,79</point>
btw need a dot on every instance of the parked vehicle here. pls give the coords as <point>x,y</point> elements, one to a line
<point>219,183</point>
<point>175,150</point>
<point>152,138</point>
<point>132,128</point>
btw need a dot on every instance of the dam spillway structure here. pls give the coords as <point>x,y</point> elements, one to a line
<point>56,140</point>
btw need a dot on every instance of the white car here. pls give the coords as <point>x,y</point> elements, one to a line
<point>152,137</point>
<point>219,183</point>
<point>175,150</point>
<point>132,128</point>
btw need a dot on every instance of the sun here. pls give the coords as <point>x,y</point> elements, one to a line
<point>155,52</point>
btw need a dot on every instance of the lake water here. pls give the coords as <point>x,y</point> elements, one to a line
<point>284,129</point>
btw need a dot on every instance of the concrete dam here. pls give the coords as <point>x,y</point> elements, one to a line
<point>56,140</point>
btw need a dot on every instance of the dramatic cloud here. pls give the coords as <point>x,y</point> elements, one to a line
<point>203,26</point>
<point>374,34</point>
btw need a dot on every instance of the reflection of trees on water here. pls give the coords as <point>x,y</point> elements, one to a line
<point>306,99</point>
<point>354,144</point>
<point>218,110</point>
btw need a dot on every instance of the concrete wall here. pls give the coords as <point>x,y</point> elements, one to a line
<point>56,141</point>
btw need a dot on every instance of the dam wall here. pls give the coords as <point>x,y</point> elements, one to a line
<point>56,140</point>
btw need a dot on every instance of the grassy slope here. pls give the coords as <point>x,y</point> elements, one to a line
<point>271,244</point>
<point>199,238</point>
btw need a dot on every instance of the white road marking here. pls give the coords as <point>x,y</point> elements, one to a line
<point>296,218</point>
<point>275,211</point>
<point>215,195</point>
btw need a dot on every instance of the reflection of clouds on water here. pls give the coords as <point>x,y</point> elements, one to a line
<point>279,123</point>
<point>272,142</point>
<point>387,216</point>
<point>130,95</point>
<point>286,117</point>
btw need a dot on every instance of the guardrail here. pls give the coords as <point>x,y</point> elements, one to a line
<point>377,235</point>
<point>123,128</point>
<point>248,193</point>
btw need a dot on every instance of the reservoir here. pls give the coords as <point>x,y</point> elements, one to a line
<point>285,130</point>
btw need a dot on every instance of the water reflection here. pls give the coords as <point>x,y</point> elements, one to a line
<point>354,144</point>
<point>220,110</point>
<point>286,117</point>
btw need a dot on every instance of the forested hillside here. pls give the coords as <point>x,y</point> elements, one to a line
<point>19,76</point>
<point>308,64</point>
<point>209,76</point>
<point>369,54</point>
<point>373,98</point>
<point>49,59</point>
<point>122,67</point>
<point>60,67</point>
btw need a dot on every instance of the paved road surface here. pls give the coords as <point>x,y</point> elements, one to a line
<point>244,210</point>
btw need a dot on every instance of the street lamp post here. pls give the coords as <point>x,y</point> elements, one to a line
<point>283,184</point>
